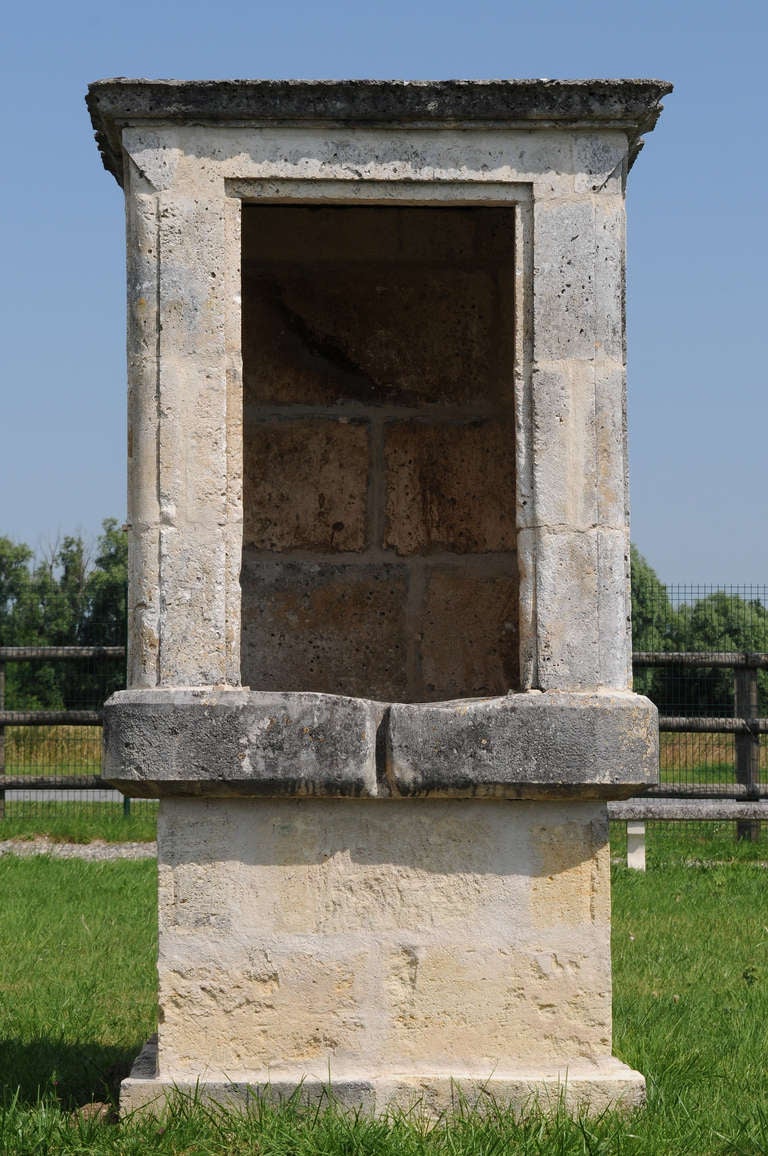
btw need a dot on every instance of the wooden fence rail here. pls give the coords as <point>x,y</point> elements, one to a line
<point>25,653</point>
<point>728,658</point>
<point>744,803</point>
<point>49,718</point>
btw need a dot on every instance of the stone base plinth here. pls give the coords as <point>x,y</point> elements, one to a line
<point>400,949</point>
<point>579,1086</point>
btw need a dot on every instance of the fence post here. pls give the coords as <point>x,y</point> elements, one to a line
<point>2,737</point>
<point>636,845</point>
<point>747,745</point>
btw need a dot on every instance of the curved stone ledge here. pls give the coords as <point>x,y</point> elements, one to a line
<point>235,742</point>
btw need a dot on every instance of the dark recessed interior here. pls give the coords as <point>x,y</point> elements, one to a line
<point>379,551</point>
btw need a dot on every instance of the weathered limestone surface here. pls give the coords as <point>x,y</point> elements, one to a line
<point>524,746</point>
<point>339,628</point>
<point>432,940</point>
<point>377,461</point>
<point>378,377</point>
<point>210,741</point>
<point>552,154</point>
<point>307,481</point>
<point>450,487</point>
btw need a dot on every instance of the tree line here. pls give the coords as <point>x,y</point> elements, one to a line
<point>72,595</point>
<point>718,621</point>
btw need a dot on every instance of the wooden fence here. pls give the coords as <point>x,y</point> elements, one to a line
<point>26,718</point>
<point>745,800</point>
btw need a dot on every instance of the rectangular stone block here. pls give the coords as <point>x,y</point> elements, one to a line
<point>294,233</point>
<point>610,277</point>
<point>611,439</point>
<point>524,746</point>
<point>450,487</point>
<point>563,279</point>
<point>581,607</point>
<point>375,925</point>
<point>238,742</point>
<point>564,452</point>
<point>306,485</point>
<point>193,584</point>
<point>422,981</point>
<point>469,634</point>
<point>300,234</point>
<point>577,469</point>
<point>615,608</point>
<point>339,629</point>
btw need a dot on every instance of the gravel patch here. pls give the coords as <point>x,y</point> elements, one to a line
<point>98,849</point>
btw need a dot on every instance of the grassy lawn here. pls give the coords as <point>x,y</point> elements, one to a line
<point>687,758</point>
<point>70,822</point>
<point>77,943</point>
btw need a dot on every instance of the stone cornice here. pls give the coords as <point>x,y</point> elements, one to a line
<point>631,106</point>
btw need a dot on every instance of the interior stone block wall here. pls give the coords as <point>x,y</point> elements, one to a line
<point>379,451</point>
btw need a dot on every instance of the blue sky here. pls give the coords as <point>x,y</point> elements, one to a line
<point>698,332</point>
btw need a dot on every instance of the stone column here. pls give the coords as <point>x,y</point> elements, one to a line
<point>184,436</point>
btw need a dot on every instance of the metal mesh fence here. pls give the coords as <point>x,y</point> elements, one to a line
<point>695,619</point>
<point>47,763</point>
<point>726,624</point>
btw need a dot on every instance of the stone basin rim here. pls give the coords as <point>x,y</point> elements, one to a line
<point>298,744</point>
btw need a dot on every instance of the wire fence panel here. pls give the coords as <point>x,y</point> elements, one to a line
<point>51,701</point>
<point>701,654</point>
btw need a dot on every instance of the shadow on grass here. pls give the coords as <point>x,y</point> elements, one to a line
<point>75,1074</point>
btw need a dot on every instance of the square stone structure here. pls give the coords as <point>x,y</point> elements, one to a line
<point>379,645</point>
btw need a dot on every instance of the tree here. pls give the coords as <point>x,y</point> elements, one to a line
<point>15,559</point>
<point>653,626</point>
<point>64,599</point>
<point>717,622</point>
<point>721,622</point>
<point>105,624</point>
<point>652,613</point>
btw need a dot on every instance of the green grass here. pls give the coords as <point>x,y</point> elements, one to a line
<point>194,1130</point>
<point>690,954</point>
<point>53,750</point>
<point>690,943</point>
<point>75,822</point>
<point>689,844</point>
<point>708,774</point>
<point>77,943</point>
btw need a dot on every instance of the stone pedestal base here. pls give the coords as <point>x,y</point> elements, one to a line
<point>400,899</point>
<point>580,1086</point>
<point>404,952</point>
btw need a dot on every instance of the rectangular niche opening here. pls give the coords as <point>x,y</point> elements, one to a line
<point>379,541</point>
